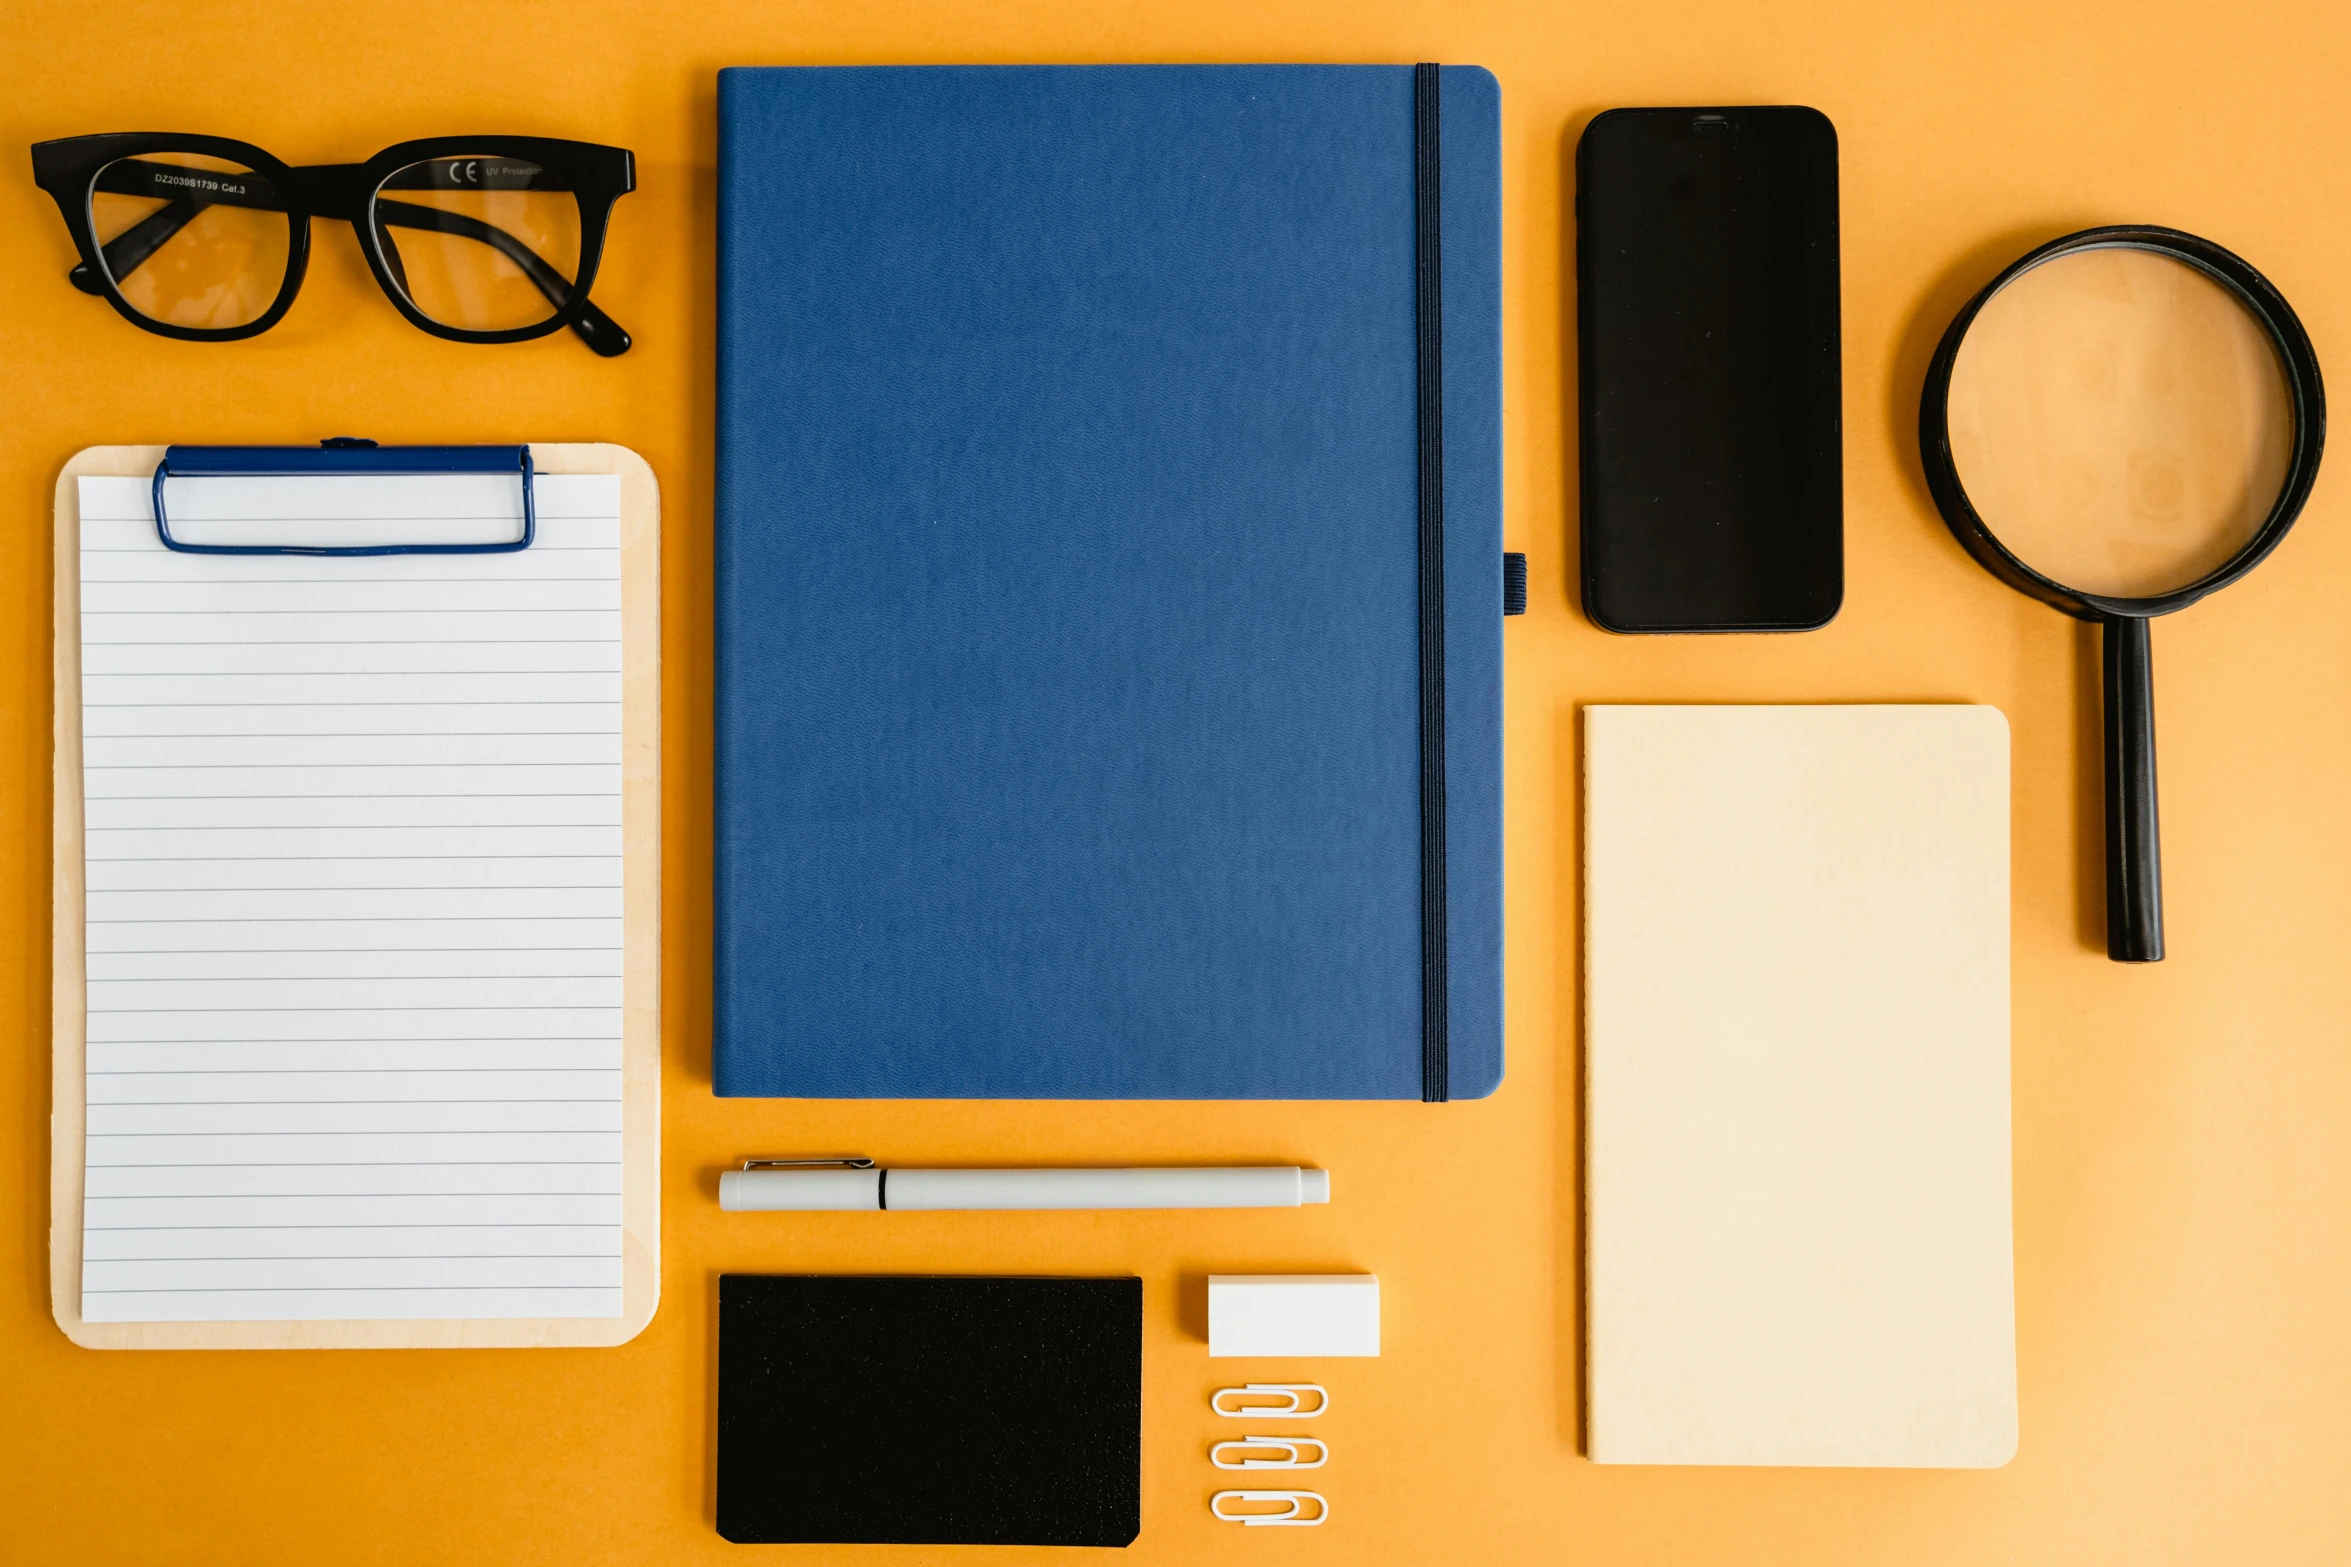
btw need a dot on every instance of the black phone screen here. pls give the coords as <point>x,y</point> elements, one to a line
<point>1706,271</point>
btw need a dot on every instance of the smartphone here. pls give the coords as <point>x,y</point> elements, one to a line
<point>1713,452</point>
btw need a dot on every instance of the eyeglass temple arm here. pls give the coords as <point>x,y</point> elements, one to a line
<point>129,249</point>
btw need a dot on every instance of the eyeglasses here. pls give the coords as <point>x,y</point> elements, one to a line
<point>479,239</point>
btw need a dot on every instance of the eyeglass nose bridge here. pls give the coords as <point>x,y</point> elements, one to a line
<point>329,190</point>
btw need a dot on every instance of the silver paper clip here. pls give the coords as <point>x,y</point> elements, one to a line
<point>1292,1406</point>
<point>1292,1447</point>
<point>1294,1501</point>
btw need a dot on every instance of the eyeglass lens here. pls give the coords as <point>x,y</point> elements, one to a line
<point>191,240</point>
<point>486,243</point>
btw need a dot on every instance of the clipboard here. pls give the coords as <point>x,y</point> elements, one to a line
<point>640,1135</point>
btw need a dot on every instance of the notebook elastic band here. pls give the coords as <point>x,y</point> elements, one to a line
<point>1427,166</point>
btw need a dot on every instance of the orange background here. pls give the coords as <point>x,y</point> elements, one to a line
<point>2183,1133</point>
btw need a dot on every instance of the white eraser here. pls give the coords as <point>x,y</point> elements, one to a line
<point>1293,1314</point>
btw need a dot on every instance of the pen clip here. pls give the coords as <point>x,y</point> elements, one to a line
<point>808,1164</point>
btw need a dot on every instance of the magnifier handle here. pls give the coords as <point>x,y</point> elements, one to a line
<point>2134,852</point>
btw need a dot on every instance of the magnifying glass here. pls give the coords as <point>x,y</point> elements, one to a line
<point>2124,421</point>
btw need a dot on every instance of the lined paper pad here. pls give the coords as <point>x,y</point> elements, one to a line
<point>354,919</point>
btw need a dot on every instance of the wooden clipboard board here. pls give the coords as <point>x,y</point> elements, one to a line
<point>641,961</point>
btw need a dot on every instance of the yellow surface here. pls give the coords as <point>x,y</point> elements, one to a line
<point>2183,1133</point>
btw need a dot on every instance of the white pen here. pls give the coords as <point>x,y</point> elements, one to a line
<point>858,1186</point>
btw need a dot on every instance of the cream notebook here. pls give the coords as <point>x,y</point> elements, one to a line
<point>1798,1243</point>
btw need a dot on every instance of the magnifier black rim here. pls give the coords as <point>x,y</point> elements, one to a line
<point>2267,305</point>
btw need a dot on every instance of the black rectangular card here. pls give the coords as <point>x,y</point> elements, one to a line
<point>929,1410</point>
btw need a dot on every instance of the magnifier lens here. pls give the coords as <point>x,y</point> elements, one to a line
<point>2120,421</point>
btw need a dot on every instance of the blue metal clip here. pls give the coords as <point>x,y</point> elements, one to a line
<point>344,454</point>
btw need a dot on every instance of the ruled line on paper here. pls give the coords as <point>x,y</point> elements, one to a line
<point>354,937</point>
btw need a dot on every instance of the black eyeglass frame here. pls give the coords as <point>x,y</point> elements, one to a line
<point>597,176</point>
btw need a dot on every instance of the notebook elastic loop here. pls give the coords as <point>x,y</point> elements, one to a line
<point>1429,317</point>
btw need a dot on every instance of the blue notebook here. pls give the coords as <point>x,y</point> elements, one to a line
<point>1072,691</point>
